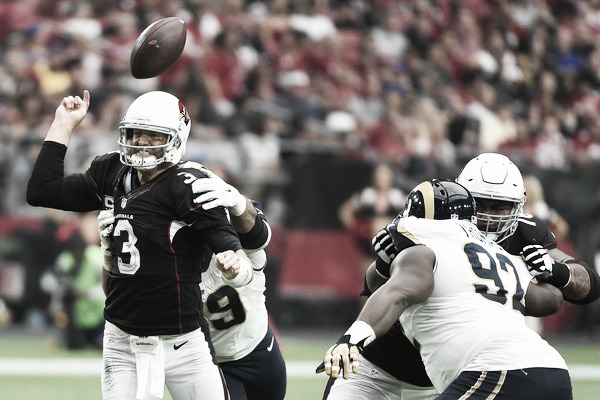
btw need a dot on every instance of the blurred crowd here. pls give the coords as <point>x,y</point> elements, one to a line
<point>415,83</point>
<point>418,84</point>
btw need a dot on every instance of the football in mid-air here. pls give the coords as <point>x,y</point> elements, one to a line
<point>158,47</point>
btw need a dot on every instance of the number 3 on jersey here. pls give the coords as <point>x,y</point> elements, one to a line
<point>491,273</point>
<point>129,240</point>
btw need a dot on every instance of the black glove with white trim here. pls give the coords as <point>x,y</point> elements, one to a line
<point>383,244</point>
<point>544,268</point>
<point>342,357</point>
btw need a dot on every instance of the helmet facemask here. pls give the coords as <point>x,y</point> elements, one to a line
<point>493,176</point>
<point>498,227</point>
<point>158,112</point>
<point>140,157</point>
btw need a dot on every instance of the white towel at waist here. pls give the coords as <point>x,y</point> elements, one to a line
<point>150,365</point>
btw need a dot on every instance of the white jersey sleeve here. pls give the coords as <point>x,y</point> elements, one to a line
<point>237,317</point>
<point>474,319</point>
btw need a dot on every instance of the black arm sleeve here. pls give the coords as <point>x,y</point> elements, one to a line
<point>48,187</point>
<point>220,238</point>
<point>257,237</point>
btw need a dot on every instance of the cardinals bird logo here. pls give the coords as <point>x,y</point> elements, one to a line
<point>183,114</point>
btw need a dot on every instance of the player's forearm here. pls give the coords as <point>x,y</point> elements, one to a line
<point>60,132</point>
<point>373,279</point>
<point>244,222</point>
<point>411,282</point>
<point>584,285</point>
<point>542,299</point>
<point>382,310</point>
<point>579,285</point>
<point>45,184</point>
<point>48,187</point>
<point>105,281</point>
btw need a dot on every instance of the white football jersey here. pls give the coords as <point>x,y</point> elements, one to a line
<point>237,317</point>
<point>473,320</point>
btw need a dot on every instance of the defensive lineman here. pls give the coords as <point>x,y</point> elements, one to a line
<point>246,348</point>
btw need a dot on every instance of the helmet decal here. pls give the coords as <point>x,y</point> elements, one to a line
<point>183,113</point>
<point>426,192</point>
<point>440,199</point>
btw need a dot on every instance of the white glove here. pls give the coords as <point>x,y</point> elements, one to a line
<point>106,220</point>
<point>214,192</point>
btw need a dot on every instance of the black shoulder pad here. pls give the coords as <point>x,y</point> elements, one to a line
<point>535,231</point>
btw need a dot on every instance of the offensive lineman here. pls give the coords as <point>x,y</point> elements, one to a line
<point>497,186</point>
<point>461,300</point>
<point>155,331</point>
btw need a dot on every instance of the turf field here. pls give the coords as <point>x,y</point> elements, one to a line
<point>34,368</point>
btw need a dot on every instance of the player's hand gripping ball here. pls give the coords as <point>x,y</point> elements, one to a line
<point>158,47</point>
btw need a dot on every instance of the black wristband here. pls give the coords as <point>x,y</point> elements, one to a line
<point>561,275</point>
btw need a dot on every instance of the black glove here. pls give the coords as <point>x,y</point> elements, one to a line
<point>383,244</point>
<point>343,356</point>
<point>544,268</point>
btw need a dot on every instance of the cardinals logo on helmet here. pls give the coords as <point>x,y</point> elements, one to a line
<point>183,114</point>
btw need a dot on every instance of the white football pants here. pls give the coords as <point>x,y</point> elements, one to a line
<point>190,373</point>
<point>373,383</point>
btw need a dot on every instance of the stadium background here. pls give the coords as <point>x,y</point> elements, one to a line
<point>297,101</point>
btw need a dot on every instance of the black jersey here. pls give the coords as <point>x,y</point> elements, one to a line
<point>530,230</point>
<point>161,242</point>
<point>395,353</point>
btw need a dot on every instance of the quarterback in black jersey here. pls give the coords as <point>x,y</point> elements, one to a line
<point>499,191</point>
<point>160,242</point>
